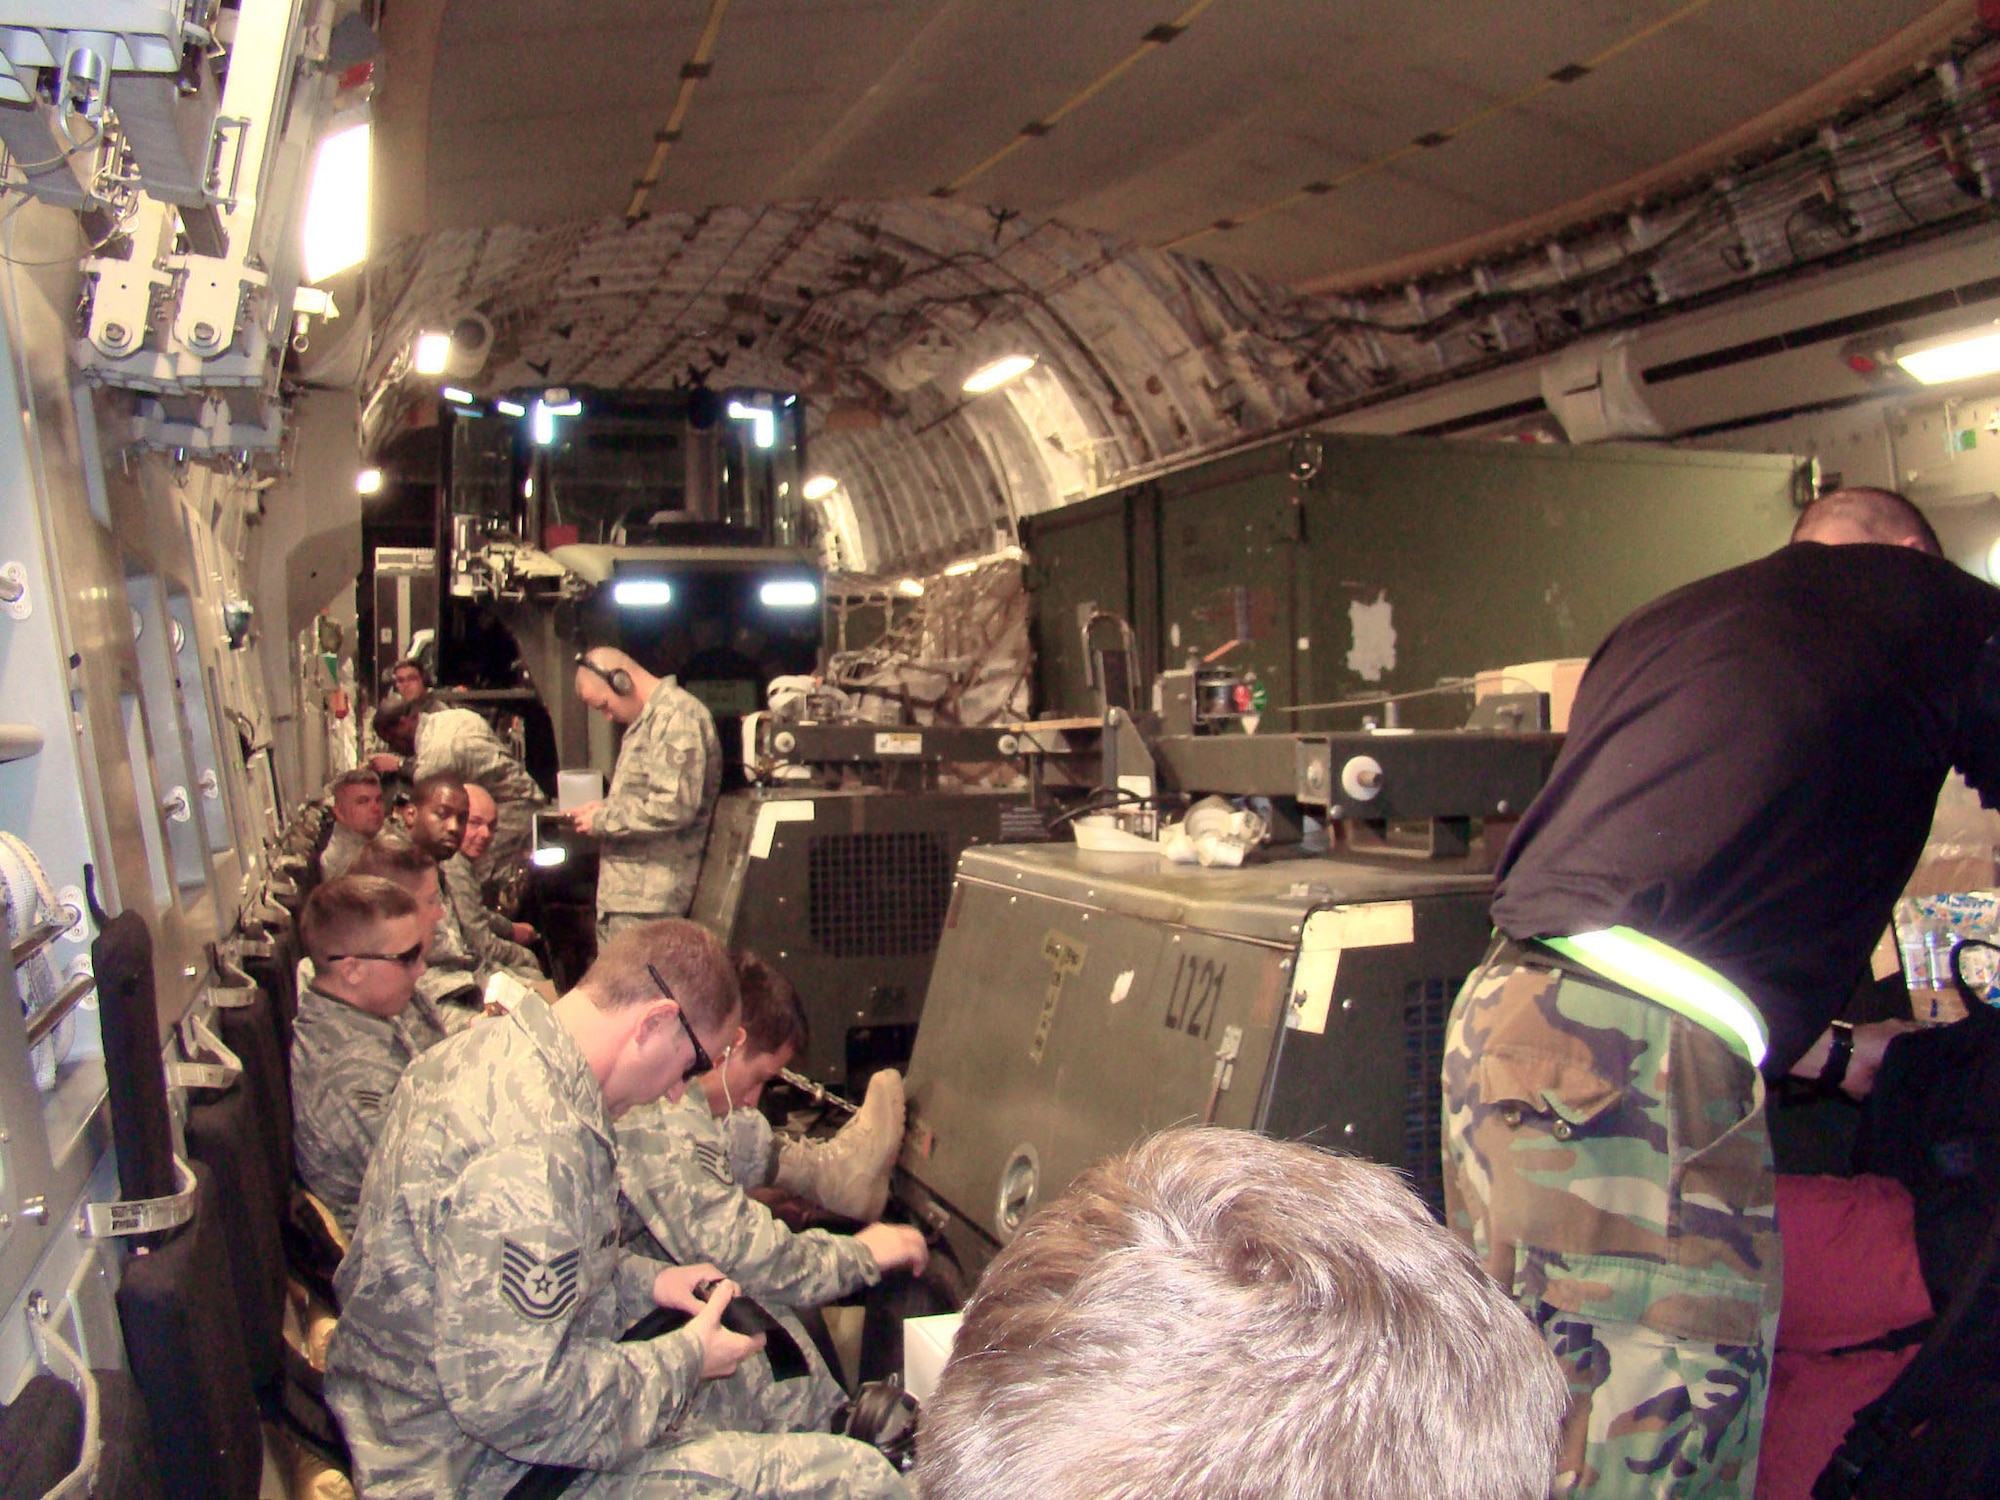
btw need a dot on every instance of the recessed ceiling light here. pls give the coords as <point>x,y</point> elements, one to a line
<point>911,587</point>
<point>820,486</point>
<point>789,593</point>
<point>336,227</point>
<point>993,376</point>
<point>642,593</point>
<point>763,422</point>
<point>1955,356</point>
<point>432,354</point>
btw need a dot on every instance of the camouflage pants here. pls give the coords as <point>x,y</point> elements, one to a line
<point>740,1466</point>
<point>1610,1164</point>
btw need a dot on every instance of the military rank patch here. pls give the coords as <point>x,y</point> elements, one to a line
<point>541,1290</point>
<point>713,1159</point>
<point>368,1098</point>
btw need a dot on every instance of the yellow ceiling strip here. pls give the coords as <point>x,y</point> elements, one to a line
<point>1159,37</point>
<point>693,71</point>
<point>1450,132</point>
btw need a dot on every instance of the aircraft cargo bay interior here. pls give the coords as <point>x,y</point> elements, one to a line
<point>988,748</point>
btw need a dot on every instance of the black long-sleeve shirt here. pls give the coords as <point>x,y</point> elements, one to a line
<point>1751,768</point>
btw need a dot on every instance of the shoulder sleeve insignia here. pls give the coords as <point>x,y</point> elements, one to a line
<point>714,1160</point>
<point>540,1290</point>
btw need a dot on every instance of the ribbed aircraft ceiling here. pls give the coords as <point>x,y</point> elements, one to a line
<point>1206,219</point>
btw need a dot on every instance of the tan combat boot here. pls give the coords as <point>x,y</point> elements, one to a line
<point>849,1174</point>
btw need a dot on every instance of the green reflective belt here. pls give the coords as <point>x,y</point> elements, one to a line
<point>1686,986</point>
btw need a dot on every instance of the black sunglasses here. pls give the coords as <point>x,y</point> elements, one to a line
<point>407,958</point>
<point>702,1063</point>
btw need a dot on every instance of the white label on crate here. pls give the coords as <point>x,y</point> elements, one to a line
<point>1327,935</point>
<point>899,743</point>
<point>769,816</point>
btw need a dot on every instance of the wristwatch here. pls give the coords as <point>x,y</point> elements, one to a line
<point>1838,1056</point>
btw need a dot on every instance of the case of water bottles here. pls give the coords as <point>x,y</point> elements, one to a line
<point>1929,929</point>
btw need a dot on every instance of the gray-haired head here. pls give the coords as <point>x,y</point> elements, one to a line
<point>1217,1316</point>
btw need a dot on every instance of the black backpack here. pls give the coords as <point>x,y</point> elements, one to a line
<point>1933,1124</point>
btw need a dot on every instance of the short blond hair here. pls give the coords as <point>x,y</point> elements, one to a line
<point>343,914</point>
<point>393,857</point>
<point>690,961</point>
<point>1218,1316</point>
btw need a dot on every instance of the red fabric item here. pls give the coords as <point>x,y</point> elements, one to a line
<point>1851,1275</point>
<point>1851,1271</point>
<point>1813,1401</point>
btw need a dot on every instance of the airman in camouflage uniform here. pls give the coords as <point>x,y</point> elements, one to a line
<point>1610,1164</point>
<point>486,1286</point>
<point>449,984</point>
<point>478,926</point>
<point>688,1205</point>
<point>350,1049</point>
<point>653,822</point>
<point>468,892</point>
<point>345,1065</point>
<point>458,743</point>
<point>358,814</point>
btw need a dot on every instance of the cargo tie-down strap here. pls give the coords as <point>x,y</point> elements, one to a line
<point>1686,986</point>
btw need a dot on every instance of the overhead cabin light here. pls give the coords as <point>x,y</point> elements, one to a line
<point>336,228</point>
<point>789,593</point>
<point>911,587</point>
<point>542,419</point>
<point>992,377</point>
<point>960,569</point>
<point>510,408</point>
<point>456,396</point>
<point>1956,356</point>
<point>432,354</point>
<point>820,486</point>
<point>368,482</point>
<point>550,856</point>
<point>642,593</point>
<point>763,422</point>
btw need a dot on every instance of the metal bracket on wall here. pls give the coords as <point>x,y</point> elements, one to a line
<point>105,1221</point>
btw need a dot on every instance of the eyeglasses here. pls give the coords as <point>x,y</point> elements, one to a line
<point>702,1063</point>
<point>408,958</point>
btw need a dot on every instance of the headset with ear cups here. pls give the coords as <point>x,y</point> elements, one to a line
<point>616,678</point>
